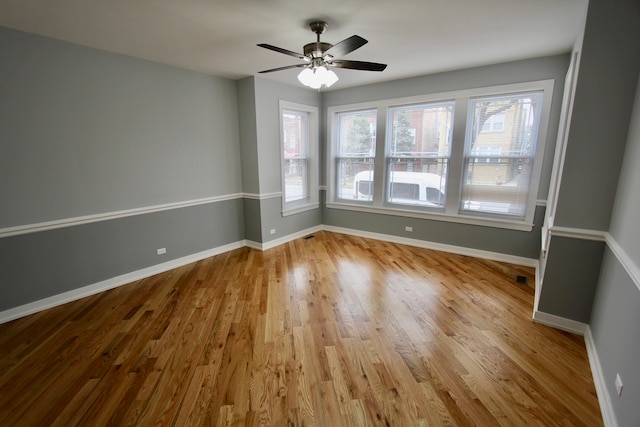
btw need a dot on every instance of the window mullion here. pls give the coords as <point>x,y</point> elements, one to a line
<point>457,160</point>
<point>380,163</point>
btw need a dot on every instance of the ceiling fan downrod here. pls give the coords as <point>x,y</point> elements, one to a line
<point>317,49</point>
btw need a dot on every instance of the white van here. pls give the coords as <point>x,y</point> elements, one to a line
<point>412,188</point>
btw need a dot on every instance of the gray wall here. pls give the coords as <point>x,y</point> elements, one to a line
<point>85,132</point>
<point>624,222</point>
<point>570,277</point>
<point>248,136</point>
<point>614,328</point>
<point>519,243</point>
<point>616,308</point>
<point>605,88</point>
<point>599,193</point>
<point>35,266</point>
<point>268,95</point>
<point>249,153</point>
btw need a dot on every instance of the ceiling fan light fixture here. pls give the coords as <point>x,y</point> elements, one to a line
<point>317,77</point>
<point>306,76</point>
<point>330,78</point>
<point>319,56</point>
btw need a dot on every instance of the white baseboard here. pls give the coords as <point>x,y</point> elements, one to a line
<point>460,250</point>
<point>253,245</point>
<point>114,282</point>
<point>558,322</point>
<point>85,291</point>
<point>598,378</point>
<point>285,239</point>
<point>604,400</point>
<point>538,316</point>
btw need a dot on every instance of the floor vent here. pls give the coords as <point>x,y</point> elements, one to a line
<point>521,279</point>
<point>309,237</point>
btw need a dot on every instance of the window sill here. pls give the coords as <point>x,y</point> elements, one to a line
<point>461,219</point>
<point>301,208</point>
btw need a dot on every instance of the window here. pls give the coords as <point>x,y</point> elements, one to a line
<point>419,146</point>
<point>298,124</point>
<point>471,156</point>
<point>356,146</point>
<point>498,165</point>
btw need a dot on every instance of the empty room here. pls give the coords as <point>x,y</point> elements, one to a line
<point>351,213</point>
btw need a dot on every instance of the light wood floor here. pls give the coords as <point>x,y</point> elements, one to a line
<point>332,330</point>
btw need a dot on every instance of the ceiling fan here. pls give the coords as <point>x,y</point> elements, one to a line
<point>319,56</point>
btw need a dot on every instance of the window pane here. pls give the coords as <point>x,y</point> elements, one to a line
<point>355,179</point>
<point>356,148</point>
<point>507,124</point>
<point>418,182</point>
<point>418,153</point>
<point>294,133</point>
<point>357,134</point>
<point>500,186</point>
<point>295,179</point>
<point>421,131</point>
<point>295,146</point>
<point>499,152</point>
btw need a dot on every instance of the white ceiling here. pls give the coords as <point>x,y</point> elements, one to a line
<point>219,37</point>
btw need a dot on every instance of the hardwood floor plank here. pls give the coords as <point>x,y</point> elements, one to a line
<point>333,330</point>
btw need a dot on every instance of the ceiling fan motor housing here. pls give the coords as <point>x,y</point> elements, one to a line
<point>316,49</point>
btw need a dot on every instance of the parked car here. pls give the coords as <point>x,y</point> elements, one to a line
<point>414,188</point>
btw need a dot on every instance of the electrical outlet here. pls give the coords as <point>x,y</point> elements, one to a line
<point>409,229</point>
<point>619,385</point>
<point>272,231</point>
<point>161,251</point>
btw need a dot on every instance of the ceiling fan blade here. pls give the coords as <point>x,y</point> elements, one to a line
<point>283,68</point>
<point>281,50</point>
<point>358,65</point>
<point>346,46</point>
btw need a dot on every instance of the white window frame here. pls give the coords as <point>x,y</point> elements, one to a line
<point>312,200</point>
<point>372,155</point>
<point>390,159</point>
<point>496,158</point>
<point>451,211</point>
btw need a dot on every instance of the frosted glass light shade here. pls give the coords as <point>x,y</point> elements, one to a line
<point>306,76</point>
<point>330,78</point>
<point>317,77</point>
